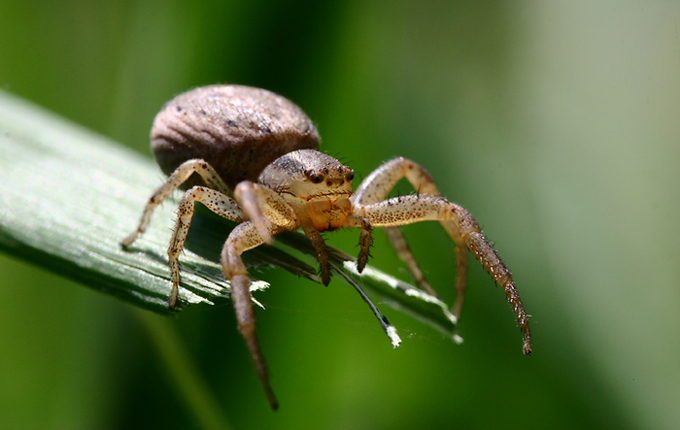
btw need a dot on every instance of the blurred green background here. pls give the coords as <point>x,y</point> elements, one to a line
<point>557,124</point>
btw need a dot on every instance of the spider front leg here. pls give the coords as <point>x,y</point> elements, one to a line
<point>459,224</point>
<point>264,206</point>
<point>177,178</point>
<point>217,202</point>
<point>365,240</point>
<point>269,215</point>
<point>245,236</point>
<point>378,185</point>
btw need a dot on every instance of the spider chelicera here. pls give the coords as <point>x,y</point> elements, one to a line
<point>256,154</point>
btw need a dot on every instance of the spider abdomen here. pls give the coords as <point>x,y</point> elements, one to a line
<point>238,130</point>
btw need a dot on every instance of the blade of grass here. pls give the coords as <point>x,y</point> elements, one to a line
<point>183,373</point>
<point>68,196</point>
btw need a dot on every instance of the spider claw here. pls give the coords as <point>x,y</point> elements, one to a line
<point>172,301</point>
<point>325,277</point>
<point>130,239</point>
<point>365,243</point>
<point>245,317</point>
<point>362,261</point>
<point>325,272</point>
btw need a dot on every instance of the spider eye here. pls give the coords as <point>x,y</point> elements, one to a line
<point>313,176</point>
<point>349,173</point>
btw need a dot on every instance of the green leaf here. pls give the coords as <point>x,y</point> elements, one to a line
<point>68,196</point>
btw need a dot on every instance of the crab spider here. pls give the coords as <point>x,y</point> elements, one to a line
<point>255,153</point>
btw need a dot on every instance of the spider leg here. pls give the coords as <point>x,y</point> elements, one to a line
<point>461,227</point>
<point>245,236</point>
<point>461,275</point>
<point>177,178</point>
<point>217,202</point>
<point>400,245</point>
<point>365,240</point>
<point>269,211</point>
<point>264,206</point>
<point>321,253</point>
<point>376,186</point>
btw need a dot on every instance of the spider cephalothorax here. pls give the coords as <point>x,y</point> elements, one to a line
<point>255,153</point>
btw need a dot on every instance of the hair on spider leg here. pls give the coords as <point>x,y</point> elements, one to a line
<point>418,194</point>
<point>371,246</point>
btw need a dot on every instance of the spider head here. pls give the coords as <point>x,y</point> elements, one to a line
<point>312,182</point>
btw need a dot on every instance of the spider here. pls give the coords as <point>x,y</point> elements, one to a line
<point>256,154</point>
